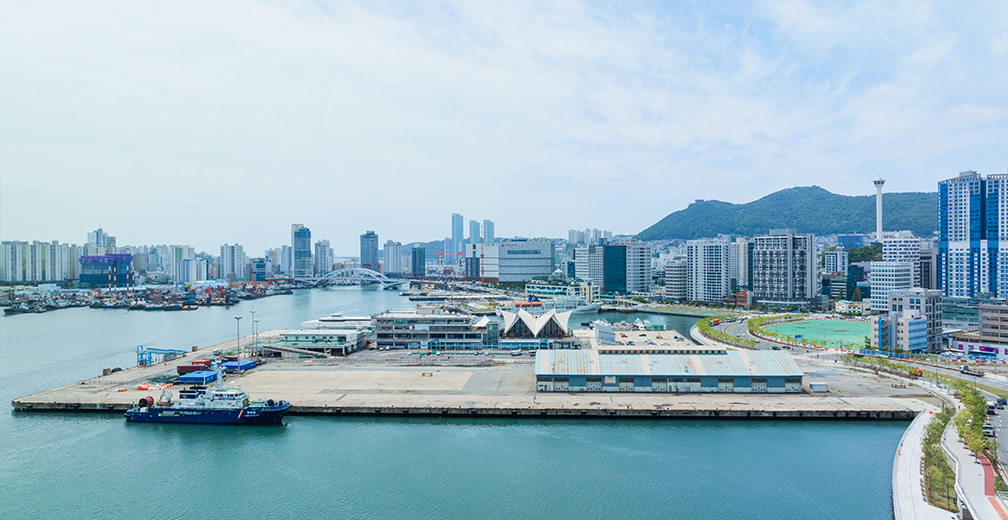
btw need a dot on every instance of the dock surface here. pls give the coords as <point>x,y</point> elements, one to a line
<point>492,388</point>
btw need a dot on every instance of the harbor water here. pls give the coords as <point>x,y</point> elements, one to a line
<point>98,466</point>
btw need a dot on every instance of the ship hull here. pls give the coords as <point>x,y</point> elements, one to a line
<point>250,415</point>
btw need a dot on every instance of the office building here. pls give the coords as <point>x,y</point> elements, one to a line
<point>927,268</point>
<point>232,262</point>
<point>488,231</point>
<point>456,236</point>
<point>835,262</point>
<point>418,263</point>
<point>973,235</point>
<point>588,263</point>
<point>273,261</point>
<point>482,262</point>
<point>301,252</point>
<point>708,270</point>
<point>521,260</point>
<point>902,246</point>
<point>898,331</point>
<point>676,280</point>
<point>323,258</point>
<point>626,267</point>
<point>369,251</point>
<point>990,341</point>
<point>112,270</point>
<point>392,259</point>
<point>785,268</point>
<point>887,277</point>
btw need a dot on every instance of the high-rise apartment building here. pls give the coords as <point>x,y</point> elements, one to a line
<point>973,235</point>
<point>273,262</point>
<point>738,252</point>
<point>785,268</point>
<point>886,277</point>
<point>835,262</point>
<point>676,279</point>
<point>902,246</point>
<point>323,258</point>
<point>369,250</point>
<point>301,253</point>
<point>474,232</point>
<point>488,231</point>
<point>708,269</point>
<point>456,235</point>
<point>39,261</point>
<point>232,263</point>
<point>392,259</point>
<point>286,260</point>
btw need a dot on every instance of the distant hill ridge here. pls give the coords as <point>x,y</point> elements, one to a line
<point>807,209</point>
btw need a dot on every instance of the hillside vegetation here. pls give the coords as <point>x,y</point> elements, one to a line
<point>808,209</point>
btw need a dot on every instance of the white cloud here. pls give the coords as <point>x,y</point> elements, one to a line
<point>350,117</point>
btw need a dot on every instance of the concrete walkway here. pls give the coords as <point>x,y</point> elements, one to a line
<point>974,479</point>
<point>908,479</point>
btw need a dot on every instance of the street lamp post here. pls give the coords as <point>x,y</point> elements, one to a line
<point>238,334</point>
<point>255,327</point>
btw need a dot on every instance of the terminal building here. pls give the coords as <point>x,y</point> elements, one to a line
<point>739,371</point>
<point>424,328</point>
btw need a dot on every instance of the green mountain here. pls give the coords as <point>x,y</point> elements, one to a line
<point>808,209</point>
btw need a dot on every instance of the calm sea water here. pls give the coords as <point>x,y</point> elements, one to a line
<point>98,466</point>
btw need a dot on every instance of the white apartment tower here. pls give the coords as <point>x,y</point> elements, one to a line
<point>232,262</point>
<point>739,259</point>
<point>886,277</point>
<point>835,262</point>
<point>902,246</point>
<point>707,270</point>
<point>676,279</point>
<point>392,259</point>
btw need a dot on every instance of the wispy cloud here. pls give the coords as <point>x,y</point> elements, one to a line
<point>390,116</point>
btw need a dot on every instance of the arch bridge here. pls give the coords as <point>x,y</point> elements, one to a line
<point>352,276</point>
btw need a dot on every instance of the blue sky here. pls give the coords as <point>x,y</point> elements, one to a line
<point>206,123</point>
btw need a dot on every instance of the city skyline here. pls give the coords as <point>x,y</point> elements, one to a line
<point>181,114</point>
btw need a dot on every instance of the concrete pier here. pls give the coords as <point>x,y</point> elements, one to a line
<point>501,387</point>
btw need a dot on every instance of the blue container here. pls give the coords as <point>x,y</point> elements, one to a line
<point>244,364</point>
<point>202,377</point>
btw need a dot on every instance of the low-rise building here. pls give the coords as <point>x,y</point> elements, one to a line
<point>423,328</point>
<point>739,371</point>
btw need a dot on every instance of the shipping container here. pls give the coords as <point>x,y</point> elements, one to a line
<point>203,377</point>
<point>244,364</point>
<point>186,369</point>
<point>204,362</point>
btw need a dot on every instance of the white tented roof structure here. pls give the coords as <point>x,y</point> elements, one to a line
<point>522,324</point>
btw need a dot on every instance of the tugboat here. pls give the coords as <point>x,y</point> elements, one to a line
<point>214,405</point>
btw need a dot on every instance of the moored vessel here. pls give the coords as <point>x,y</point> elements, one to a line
<point>217,404</point>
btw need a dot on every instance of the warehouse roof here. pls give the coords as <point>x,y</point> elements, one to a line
<point>746,363</point>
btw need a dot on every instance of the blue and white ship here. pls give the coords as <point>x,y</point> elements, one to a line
<point>211,405</point>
